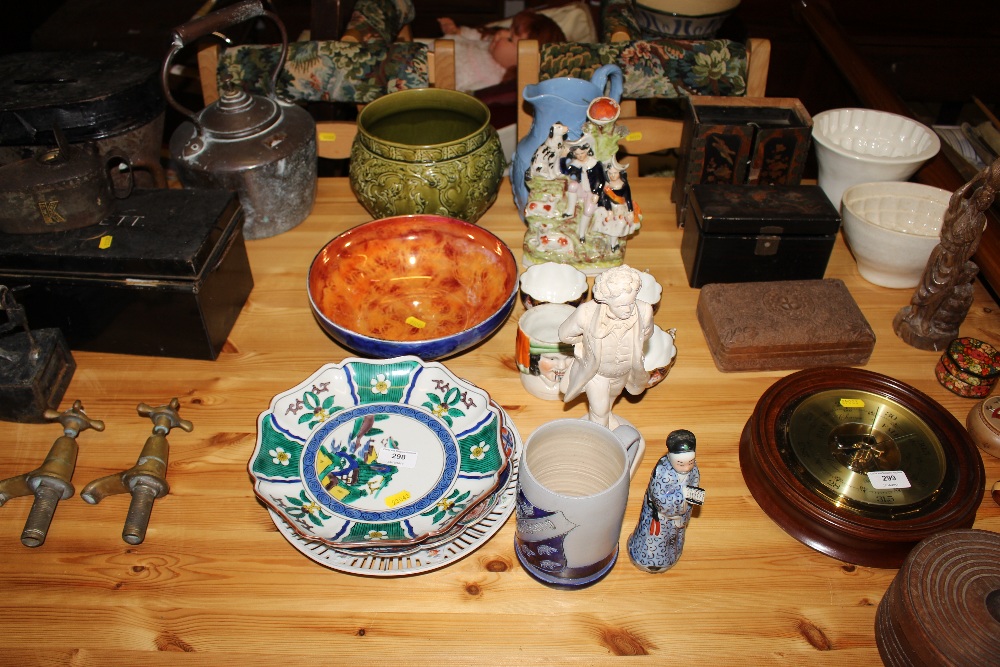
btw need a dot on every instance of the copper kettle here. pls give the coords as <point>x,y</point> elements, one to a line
<point>259,147</point>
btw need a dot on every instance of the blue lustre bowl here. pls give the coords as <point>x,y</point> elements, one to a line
<point>422,285</point>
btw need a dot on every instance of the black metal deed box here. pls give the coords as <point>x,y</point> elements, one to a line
<point>165,274</point>
<point>749,233</point>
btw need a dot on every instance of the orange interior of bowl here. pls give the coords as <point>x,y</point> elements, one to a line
<point>412,277</point>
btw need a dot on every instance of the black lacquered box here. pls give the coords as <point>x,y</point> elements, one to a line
<point>165,274</point>
<point>741,140</point>
<point>752,233</point>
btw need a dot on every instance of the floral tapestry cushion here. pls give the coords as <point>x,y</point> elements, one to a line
<point>328,71</point>
<point>664,68</point>
<point>380,20</point>
<point>617,17</point>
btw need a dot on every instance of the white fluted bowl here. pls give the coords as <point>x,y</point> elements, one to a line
<point>650,291</point>
<point>659,353</point>
<point>551,282</point>
<point>682,19</point>
<point>863,145</point>
<point>892,228</point>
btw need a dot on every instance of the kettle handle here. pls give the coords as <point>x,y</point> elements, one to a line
<point>215,22</point>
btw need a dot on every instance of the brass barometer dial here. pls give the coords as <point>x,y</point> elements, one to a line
<point>851,446</point>
<point>858,465</point>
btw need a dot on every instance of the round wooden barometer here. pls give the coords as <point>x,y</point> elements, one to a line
<point>858,465</point>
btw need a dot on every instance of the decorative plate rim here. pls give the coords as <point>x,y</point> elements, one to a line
<point>423,559</point>
<point>488,411</point>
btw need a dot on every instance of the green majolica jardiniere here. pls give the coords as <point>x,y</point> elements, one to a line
<point>426,150</point>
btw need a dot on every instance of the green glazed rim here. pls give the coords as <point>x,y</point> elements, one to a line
<point>424,98</point>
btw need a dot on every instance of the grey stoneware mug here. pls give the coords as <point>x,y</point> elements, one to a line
<point>572,490</point>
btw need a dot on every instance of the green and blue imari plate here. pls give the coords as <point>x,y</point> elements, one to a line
<point>475,528</point>
<point>378,452</point>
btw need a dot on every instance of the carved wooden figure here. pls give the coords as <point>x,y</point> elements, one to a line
<point>944,296</point>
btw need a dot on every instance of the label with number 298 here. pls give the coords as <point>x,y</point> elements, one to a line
<point>397,457</point>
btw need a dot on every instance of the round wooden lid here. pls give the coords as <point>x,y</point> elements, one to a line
<point>943,606</point>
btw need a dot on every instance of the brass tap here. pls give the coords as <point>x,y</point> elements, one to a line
<point>50,483</point>
<point>147,479</point>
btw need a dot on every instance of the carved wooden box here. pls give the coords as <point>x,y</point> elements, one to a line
<point>783,325</point>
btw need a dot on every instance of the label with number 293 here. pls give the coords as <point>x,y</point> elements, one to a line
<point>889,479</point>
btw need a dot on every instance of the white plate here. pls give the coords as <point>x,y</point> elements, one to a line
<point>428,556</point>
<point>475,514</point>
<point>377,452</point>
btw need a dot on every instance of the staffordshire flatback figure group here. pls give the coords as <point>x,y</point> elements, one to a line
<point>579,205</point>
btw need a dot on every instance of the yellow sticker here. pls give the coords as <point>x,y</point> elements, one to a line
<point>633,136</point>
<point>339,492</point>
<point>852,403</point>
<point>104,243</point>
<point>397,498</point>
<point>327,136</point>
<point>414,322</point>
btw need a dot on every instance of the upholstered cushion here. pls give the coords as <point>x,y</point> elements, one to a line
<point>329,71</point>
<point>380,20</point>
<point>663,68</point>
<point>617,17</point>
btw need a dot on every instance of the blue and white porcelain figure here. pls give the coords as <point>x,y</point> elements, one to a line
<point>657,541</point>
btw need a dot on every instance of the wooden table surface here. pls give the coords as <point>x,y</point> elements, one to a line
<point>215,580</point>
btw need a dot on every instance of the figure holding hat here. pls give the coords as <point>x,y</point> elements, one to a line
<point>657,541</point>
<point>607,334</point>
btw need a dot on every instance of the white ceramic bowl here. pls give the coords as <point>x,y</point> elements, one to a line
<point>552,282</point>
<point>690,7</point>
<point>863,145</point>
<point>892,229</point>
<point>685,19</point>
<point>650,291</point>
<point>659,353</point>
